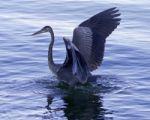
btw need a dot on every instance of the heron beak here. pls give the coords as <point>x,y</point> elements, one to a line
<point>38,32</point>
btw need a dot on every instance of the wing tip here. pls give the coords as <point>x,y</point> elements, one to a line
<point>113,10</point>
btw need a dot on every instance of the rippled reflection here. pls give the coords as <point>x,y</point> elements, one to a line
<point>83,106</point>
<point>79,105</point>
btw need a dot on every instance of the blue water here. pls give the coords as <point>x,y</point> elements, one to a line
<point>29,91</point>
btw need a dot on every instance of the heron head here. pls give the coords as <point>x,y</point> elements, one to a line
<point>43,30</point>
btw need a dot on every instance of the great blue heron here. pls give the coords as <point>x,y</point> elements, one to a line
<point>85,52</point>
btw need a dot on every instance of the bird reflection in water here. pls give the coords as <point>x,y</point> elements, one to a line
<point>83,55</point>
<point>80,105</point>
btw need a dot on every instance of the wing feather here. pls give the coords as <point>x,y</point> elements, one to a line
<point>76,62</point>
<point>89,37</point>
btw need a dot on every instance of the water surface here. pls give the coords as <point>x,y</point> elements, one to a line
<point>28,90</point>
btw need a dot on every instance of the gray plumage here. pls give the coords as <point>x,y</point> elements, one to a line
<point>90,36</point>
<point>85,52</point>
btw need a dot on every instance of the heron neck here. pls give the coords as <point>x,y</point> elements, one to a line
<point>50,51</point>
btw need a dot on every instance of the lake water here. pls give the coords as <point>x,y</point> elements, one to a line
<point>29,91</point>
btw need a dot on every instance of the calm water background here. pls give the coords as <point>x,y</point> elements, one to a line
<point>28,90</point>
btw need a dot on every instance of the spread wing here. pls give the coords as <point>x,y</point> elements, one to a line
<point>89,37</point>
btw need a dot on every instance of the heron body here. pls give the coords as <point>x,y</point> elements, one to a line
<point>86,50</point>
